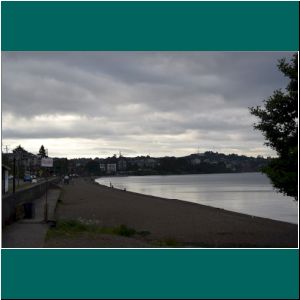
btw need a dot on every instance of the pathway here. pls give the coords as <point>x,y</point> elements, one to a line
<point>31,233</point>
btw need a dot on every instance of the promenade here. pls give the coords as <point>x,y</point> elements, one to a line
<point>31,233</point>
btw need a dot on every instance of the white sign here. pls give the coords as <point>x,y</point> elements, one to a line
<point>47,162</point>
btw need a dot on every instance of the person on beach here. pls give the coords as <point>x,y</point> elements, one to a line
<point>66,179</point>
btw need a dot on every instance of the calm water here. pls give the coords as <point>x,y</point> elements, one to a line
<point>249,193</point>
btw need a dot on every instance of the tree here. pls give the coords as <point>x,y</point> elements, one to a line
<point>19,151</point>
<point>42,151</point>
<point>60,166</point>
<point>19,155</point>
<point>278,121</point>
<point>92,167</point>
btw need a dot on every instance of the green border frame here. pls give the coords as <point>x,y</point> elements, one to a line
<point>145,26</point>
<point>151,26</point>
<point>138,274</point>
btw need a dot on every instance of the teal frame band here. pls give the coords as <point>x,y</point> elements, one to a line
<point>132,274</point>
<point>150,26</point>
<point>146,26</point>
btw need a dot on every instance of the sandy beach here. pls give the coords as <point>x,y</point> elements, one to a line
<point>187,224</point>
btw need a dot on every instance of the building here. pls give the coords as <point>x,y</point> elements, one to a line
<point>122,164</point>
<point>139,162</point>
<point>195,161</point>
<point>111,168</point>
<point>25,161</point>
<point>102,167</point>
<point>150,163</point>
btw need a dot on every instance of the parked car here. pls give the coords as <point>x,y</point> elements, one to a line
<point>27,178</point>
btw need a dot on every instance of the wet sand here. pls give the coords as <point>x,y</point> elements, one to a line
<point>189,224</point>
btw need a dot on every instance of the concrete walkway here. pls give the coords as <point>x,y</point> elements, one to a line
<point>31,233</point>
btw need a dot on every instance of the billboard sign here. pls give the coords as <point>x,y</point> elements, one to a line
<point>47,162</point>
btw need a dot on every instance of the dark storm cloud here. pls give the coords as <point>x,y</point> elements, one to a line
<point>146,98</point>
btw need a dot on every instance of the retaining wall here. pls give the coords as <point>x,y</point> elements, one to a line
<point>28,194</point>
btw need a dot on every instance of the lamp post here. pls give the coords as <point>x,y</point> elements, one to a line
<point>46,200</point>
<point>46,163</point>
<point>14,179</point>
<point>18,155</point>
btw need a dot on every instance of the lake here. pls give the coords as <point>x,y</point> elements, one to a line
<point>249,193</point>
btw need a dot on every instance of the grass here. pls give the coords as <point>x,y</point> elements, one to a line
<point>71,228</point>
<point>168,242</point>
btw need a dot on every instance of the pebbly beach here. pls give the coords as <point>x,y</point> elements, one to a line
<point>169,222</point>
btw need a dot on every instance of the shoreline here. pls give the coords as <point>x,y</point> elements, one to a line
<point>197,204</point>
<point>174,174</point>
<point>190,225</point>
<point>264,216</point>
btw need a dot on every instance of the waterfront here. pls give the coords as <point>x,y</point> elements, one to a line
<point>248,193</point>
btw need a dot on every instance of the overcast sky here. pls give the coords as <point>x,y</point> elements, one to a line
<point>95,104</point>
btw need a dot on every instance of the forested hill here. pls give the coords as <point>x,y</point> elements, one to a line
<point>212,162</point>
<point>208,162</point>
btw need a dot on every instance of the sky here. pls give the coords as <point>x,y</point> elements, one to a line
<point>96,104</point>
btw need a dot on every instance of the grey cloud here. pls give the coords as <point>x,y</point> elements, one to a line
<point>138,97</point>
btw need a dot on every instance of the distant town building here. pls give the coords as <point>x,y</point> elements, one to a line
<point>24,159</point>
<point>122,164</point>
<point>111,168</point>
<point>195,161</point>
<point>102,167</point>
<point>150,163</point>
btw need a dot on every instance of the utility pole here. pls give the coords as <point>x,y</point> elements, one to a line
<point>18,168</point>
<point>46,163</point>
<point>14,180</point>
<point>46,202</point>
<point>6,148</point>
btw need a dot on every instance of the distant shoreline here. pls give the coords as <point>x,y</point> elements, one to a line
<point>173,174</point>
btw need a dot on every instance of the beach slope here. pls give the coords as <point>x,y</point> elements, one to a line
<point>186,224</point>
